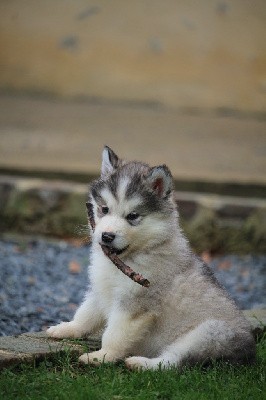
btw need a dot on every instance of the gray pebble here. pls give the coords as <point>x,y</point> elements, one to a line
<point>37,288</point>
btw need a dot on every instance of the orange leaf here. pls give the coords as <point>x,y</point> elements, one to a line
<point>74,267</point>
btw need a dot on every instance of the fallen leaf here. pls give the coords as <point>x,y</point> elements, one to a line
<point>72,306</point>
<point>225,265</point>
<point>206,256</point>
<point>74,267</point>
<point>31,280</point>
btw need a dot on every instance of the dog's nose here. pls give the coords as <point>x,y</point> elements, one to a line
<point>108,237</point>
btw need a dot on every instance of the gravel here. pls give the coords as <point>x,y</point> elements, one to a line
<point>42,282</point>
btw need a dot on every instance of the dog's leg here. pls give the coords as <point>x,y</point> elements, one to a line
<point>122,332</point>
<point>87,319</point>
<point>208,340</point>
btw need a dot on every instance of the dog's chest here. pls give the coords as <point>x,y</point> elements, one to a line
<point>109,282</point>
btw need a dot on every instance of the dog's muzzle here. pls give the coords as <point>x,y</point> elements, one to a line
<point>107,239</point>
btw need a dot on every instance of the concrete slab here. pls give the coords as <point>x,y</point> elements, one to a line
<point>257,319</point>
<point>31,347</point>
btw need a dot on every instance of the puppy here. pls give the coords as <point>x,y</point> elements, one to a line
<point>184,317</point>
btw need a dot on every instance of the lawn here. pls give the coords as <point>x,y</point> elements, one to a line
<point>64,378</point>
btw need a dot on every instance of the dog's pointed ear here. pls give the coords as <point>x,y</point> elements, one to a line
<point>109,161</point>
<point>160,180</point>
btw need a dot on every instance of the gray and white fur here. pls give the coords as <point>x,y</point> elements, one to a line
<point>185,316</point>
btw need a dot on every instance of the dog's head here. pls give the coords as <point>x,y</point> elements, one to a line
<point>132,205</point>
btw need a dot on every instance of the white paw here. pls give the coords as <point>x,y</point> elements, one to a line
<point>142,363</point>
<point>64,330</point>
<point>97,357</point>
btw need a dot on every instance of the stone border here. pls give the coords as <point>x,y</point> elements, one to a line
<point>211,222</point>
<point>34,347</point>
<point>29,348</point>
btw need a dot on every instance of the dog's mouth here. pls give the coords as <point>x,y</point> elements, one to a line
<point>114,250</point>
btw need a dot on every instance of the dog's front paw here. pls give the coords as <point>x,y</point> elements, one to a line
<point>141,363</point>
<point>64,330</point>
<point>97,357</point>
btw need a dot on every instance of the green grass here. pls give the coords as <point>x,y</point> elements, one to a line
<point>63,378</point>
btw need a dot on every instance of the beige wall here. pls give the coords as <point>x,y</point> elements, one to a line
<point>181,53</point>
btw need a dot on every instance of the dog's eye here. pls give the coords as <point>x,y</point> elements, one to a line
<point>105,210</point>
<point>132,216</point>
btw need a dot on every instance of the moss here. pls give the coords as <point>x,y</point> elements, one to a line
<point>61,213</point>
<point>33,212</point>
<point>207,232</point>
<point>254,231</point>
<point>203,232</point>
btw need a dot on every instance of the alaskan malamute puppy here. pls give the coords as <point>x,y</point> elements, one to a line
<point>184,317</point>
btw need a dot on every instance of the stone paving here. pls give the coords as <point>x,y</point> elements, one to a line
<point>31,347</point>
<point>34,347</point>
